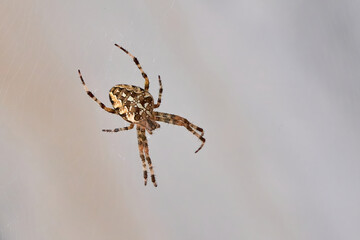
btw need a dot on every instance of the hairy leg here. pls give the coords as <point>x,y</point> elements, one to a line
<point>160,94</point>
<point>141,152</point>
<point>180,121</point>
<point>110,110</point>
<point>147,156</point>
<point>138,65</point>
<point>119,129</point>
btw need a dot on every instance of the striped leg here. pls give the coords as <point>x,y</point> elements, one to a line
<point>138,65</point>
<point>146,150</point>
<point>172,117</point>
<point>119,129</point>
<point>160,94</point>
<point>180,121</point>
<point>141,151</point>
<point>110,110</point>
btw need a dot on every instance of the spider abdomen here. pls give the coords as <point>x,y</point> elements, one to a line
<point>133,103</point>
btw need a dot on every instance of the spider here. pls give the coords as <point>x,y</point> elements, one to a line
<point>136,106</point>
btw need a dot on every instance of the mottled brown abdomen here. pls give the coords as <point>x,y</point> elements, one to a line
<point>133,103</point>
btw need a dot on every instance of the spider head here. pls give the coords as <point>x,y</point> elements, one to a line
<point>150,125</point>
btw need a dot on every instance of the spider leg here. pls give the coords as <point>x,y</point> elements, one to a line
<point>180,121</point>
<point>160,94</point>
<point>141,151</point>
<point>146,151</point>
<point>138,65</point>
<point>131,126</point>
<point>110,110</point>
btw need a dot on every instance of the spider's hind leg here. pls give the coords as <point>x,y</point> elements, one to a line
<point>141,151</point>
<point>142,137</point>
<point>131,126</point>
<point>180,121</point>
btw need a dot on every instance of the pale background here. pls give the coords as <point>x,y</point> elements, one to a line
<point>275,84</point>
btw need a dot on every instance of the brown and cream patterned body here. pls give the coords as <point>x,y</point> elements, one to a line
<point>136,106</point>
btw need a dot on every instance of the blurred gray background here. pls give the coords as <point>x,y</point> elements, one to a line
<point>275,84</point>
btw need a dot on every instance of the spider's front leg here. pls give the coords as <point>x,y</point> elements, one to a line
<point>160,94</point>
<point>110,110</point>
<point>136,61</point>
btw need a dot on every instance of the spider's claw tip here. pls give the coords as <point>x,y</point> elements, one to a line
<point>198,149</point>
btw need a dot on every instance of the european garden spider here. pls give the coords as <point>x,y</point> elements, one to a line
<point>135,105</point>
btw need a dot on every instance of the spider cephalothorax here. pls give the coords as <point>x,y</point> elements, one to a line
<point>135,105</point>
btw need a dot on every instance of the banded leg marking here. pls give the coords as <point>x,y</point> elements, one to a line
<point>141,152</point>
<point>160,94</point>
<point>147,156</point>
<point>136,61</point>
<point>180,121</point>
<point>131,126</point>
<point>110,110</point>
